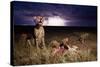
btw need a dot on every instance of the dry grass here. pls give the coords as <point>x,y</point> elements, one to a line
<point>25,54</point>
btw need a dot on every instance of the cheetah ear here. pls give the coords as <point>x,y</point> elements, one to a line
<point>34,17</point>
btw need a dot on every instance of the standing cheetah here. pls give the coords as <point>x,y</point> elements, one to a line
<point>39,32</point>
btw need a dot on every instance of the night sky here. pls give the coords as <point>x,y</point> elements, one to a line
<point>55,14</point>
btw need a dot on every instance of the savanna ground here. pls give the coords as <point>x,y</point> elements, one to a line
<point>25,54</point>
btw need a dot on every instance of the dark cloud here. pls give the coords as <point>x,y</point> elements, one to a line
<point>23,13</point>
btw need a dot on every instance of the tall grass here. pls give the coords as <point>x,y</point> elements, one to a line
<point>43,56</point>
<point>25,54</point>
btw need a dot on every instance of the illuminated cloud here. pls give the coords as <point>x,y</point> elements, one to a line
<point>55,21</point>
